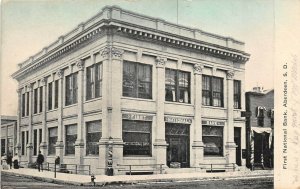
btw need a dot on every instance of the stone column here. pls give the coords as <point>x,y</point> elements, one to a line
<point>59,146</point>
<point>30,137</point>
<point>43,144</point>
<point>230,145</point>
<point>160,145</point>
<point>197,144</point>
<point>79,144</point>
<point>18,145</point>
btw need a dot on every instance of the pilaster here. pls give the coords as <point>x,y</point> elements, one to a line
<point>160,145</point>
<point>79,144</point>
<point>18,144</point>
<point>230,144</point>
<point>197,144</point>
<point>29,146</point>
<point>59,146</point>
<point>43,144</point>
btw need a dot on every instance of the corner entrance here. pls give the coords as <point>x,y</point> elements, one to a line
<point>178,151</point>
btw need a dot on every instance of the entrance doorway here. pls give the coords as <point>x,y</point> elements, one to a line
<point>237,140</point>
<point>262,151</point>
<point>178,151</point>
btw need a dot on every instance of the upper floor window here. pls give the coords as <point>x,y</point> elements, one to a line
<point>177,86</point>
<point>260,114</point>
<point>50,95</point>
<point>56,94</point>
<point>212,91</point>
<point>71,89</point>
<point>41,99</point>
<point>237,94</point>
<point>35,100</point>
<point>93,81</point>
<point>137,80</point>
<point>23,104</point>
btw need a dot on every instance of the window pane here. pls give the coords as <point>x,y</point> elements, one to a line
<point>213,140</point>
<point>144,81</point>
<point>23,105</point>
<point>68,89</point>
<point>50,96</point>
<point>75,87</point>
<point>56,94</point>
<point>27,104</point>
<point>129,80</point>
<point>35,101</point>
<point>71,136</point>
<point>237,94</point>
<point>89,82</point>
<point>137,137</point>
<point>98,80</point>
<point>170,88</point>
<point>41,99</point>
<point>93,136</point>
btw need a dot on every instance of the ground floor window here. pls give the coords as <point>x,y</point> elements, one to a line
<point>212,138</point>
<point>93,135</point>
<point>71,136</point>
<point>136,137</point>
<point>2,147</point>
<point>52,140</point>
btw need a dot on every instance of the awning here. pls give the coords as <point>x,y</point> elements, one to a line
<point>262,129</point>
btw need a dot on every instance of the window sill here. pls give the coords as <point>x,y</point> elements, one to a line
<point>93,99</point>
<point>91,157</point>
<point>214,107</point>
<point>69,156</point>
<point>71,105</point>
<point>53,110</point>
<point>138,99</point>
<point>36,114</point>
<point>213,157</point>
<point>179,103</point>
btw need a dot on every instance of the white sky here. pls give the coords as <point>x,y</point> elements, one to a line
<point>28,26</point>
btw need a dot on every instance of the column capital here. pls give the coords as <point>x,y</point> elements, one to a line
<point>59,73</point>
<point>198,68</point>
<point>112,51</point>
<point>30,87</point>
<point>43,81</point>
<point>80,65</point>
<point>161,62</point>
<point>230,74</point>
<point>19,91</point>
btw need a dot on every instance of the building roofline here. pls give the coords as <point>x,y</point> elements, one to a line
<point>110,15</point>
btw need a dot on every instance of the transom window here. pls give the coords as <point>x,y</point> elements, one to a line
<point>93,81</point>
<point>177,86</point>
<point>137,137</point>
<point>71,89</point>
<point>93,135</point>
<point>212,91</point>
<point>137,80</point>
<point>212,138</point>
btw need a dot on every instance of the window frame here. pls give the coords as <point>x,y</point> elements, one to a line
<point>56,93</point>
<point>94,87</point>
<point>69,141</point>
<point>136,92</point>
<point>204,135</point>
<point>149,133</point>
<point>177,85</point>
<point>41,98</point>
<point>88,137</point>
<point>237,85</point>
<point>50,138</point>
<point>71,89</point>
<point>50,96</point>
<point>35,101</point>
<point>210,92</point>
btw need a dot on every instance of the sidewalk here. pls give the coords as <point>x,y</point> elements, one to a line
<point>73,179</point>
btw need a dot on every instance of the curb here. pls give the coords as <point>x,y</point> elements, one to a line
<point>128,182</point>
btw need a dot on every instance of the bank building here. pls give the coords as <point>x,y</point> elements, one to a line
<point>145,90</point>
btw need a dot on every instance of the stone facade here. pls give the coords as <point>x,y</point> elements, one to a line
<point>120,43</point>
<point>8,134</point>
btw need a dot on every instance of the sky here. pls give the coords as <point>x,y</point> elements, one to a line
<point>28,26</point>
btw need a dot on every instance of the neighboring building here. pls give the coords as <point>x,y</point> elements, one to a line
<point>8,134</point>
<point>157,92</point>
<point>260,128</point>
